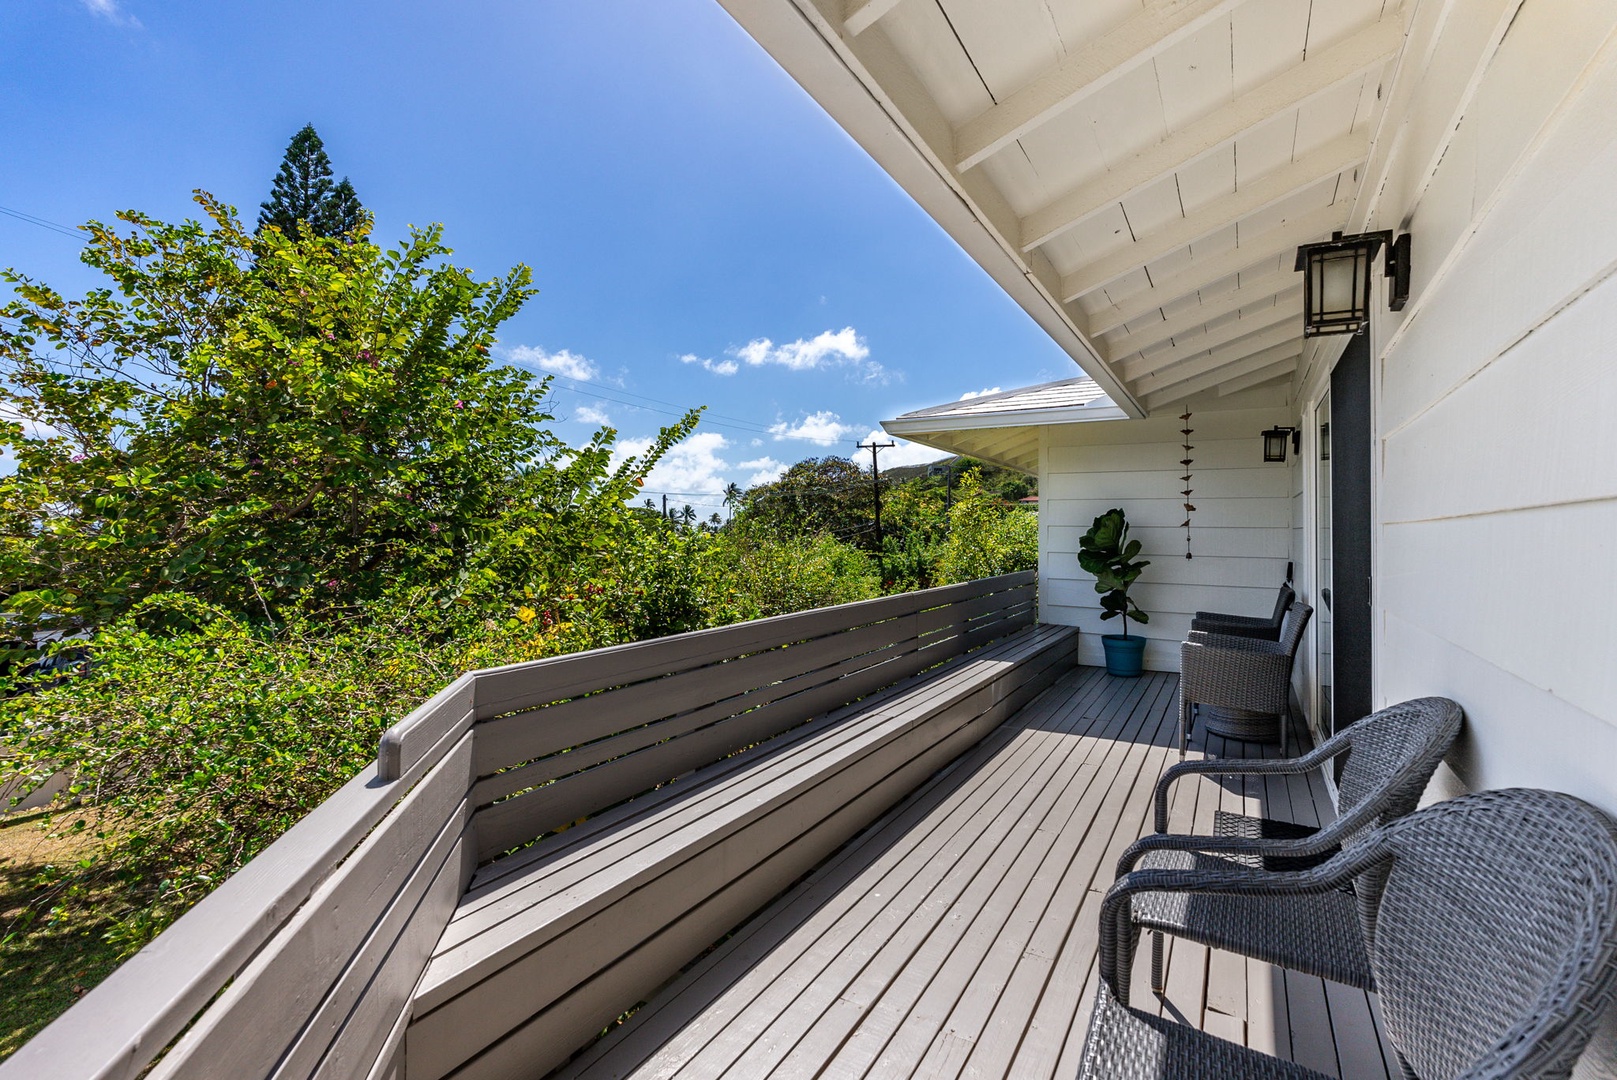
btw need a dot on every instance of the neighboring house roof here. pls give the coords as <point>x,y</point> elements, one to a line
<point>1004,427</point>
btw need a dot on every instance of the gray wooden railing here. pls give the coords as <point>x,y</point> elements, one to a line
<point>304,962</point>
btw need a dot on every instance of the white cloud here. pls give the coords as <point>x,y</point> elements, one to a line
<point>906,452</point>
<point>112,12</point>
<point>591,414</point>
<point>717,367</point>
<point>764,470</point>
<point>693,465</point>
<point>565,363</point>
<point>831,348</point>
<point>823,427</point>
<point>984,392</point>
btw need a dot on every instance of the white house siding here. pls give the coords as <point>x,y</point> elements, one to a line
<point>1496,544</point>
<point>1241,531</point>
<point>1496,502</point>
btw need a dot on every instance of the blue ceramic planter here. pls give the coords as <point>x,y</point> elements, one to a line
<point>1125,656</point>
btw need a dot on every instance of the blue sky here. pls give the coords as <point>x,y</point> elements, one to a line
<point>701,232</point>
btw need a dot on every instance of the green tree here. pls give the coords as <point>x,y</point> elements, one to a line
<point>985,536</point>
<point>303,198</point>
<point>266,420</point>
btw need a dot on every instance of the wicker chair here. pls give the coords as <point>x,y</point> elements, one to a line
<point>1248,680</point>
<point>1388,758</point>
<point>1214,622</point>
<point>1494,945</point>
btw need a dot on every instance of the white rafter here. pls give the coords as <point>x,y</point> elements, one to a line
<point>1335,157</point>
<point>1230,386</point>
<point>1199,273</point>
<point>1293,87</point>
<point>1095,65</point>
<point>861,15</point>
<point>1231,369</point>
<point>1287,316</point>
<point>1280,287</point>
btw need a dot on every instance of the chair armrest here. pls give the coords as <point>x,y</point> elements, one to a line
<point>1117,931</point>
<point>1238,767</point>
<point>1294,847</point>
<point>1234,673</point>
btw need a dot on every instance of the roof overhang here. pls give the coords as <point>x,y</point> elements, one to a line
<point>1004,428</point>
<point>1136,175</point>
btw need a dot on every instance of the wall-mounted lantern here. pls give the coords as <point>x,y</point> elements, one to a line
<point>1336,282</point>
<point>1275,439</point>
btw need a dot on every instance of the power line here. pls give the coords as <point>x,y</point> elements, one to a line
<point>52,226</point>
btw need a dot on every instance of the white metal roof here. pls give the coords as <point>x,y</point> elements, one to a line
<point>1135,173</point>
<point>1003,428</point>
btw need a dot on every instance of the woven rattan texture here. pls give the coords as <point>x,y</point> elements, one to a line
<point>1124,1044</point>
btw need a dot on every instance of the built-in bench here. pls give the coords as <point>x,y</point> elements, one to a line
<point>554,940</point>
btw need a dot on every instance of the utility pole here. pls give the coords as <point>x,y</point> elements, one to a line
<point>665,507</point>
<point>875,480</point>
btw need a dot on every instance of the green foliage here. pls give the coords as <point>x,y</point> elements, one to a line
<point>258,420</point>
<point>193,751</point>
<point>986,537</point>
<point>776,577</point>
<point>303,200</point>
<point>829,495</point>
<point>1107,552</point>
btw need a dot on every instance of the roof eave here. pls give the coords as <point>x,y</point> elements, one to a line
<point>810,50</point>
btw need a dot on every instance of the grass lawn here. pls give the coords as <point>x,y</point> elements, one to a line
<point>46,968</point>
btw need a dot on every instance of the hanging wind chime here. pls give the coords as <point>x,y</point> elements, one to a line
<point>1185,461</point>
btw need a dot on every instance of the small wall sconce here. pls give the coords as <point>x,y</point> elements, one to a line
<point>1274,442</point>
<point>1336,285</point>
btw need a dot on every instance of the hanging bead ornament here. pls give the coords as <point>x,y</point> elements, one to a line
<point>1185,461</point>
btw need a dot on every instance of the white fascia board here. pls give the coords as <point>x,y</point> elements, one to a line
<point>811,52</point>
<point>1076,414</point>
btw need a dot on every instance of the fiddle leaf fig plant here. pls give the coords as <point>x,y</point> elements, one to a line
<point>1107,552</point>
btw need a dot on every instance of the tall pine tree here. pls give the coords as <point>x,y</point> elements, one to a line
<point>304,199</point>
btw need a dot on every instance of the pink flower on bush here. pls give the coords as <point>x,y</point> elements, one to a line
<point>459,404</point>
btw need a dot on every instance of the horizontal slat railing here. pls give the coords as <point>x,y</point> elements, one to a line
<point>303,963</point>
<point>562,759</point>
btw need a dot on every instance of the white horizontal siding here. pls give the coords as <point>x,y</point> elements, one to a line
<point>1240,532</point>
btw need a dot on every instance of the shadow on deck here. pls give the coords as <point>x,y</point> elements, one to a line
<point>956,936</point>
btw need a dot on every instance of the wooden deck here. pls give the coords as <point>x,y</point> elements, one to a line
<point>956,935</point>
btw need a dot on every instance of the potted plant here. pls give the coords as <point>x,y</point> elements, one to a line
<point>1107,552</point>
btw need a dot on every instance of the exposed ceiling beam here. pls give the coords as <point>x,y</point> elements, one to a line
<point>1284,336</point>
<point>1286,315</point>
<point>1250,293</point>
<point>1095,65</point>
<point>1229,370</point>
<point>1258,377</point>
<point>1200,273</point>
<point>1328,161</point>
<point>861,15</point>
<point>1291,88</point>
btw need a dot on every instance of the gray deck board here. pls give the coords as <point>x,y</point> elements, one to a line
<point>956,936</point>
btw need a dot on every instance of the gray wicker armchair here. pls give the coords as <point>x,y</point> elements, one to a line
<point>1494,945</point>
<point>1252,626</point>
<point>1388,758</point>
<point>1247,680</point>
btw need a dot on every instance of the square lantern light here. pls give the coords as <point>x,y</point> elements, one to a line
<point>1275,440</point>
<point>1336,282</point>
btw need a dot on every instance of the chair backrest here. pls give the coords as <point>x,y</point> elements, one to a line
<point>1495,942</point>
<point>1291,631</point>
<point>1282,604</point>
<point>1391,755</point>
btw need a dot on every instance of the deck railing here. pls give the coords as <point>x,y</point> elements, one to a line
<point>304,962</point>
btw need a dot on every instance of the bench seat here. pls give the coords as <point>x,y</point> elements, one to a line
<point>554,941</point>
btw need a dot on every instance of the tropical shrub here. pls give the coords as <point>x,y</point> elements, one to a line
<point>986,537</point>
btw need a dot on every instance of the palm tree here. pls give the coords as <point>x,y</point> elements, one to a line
<point>714,521</point>
<point>732,494</point>
<point>687,515</point>
<point>651,504</point>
